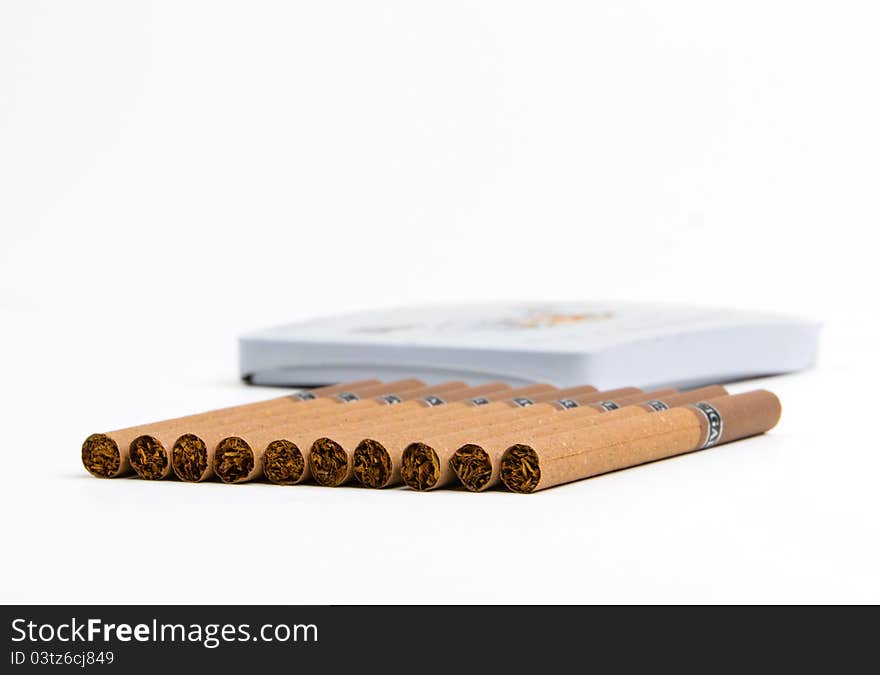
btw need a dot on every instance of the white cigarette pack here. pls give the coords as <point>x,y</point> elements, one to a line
<point>607,345</point>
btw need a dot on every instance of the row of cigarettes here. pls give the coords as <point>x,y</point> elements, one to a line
<point>383,434</point>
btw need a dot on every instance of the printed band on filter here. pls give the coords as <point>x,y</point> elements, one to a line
<point>714,423</point>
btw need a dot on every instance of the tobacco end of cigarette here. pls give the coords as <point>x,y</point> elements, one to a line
<point>328,462</point>
<point>371,464</point>
<point>189,458</point>
<point>472,466</point>
<point>233,460</point>
<point>100,456</point>
<point>148,457</point>
<point>420,468</point>
<point>283,463</point>
<point>520,470</point>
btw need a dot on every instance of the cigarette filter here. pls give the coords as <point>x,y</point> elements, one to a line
<point>582,453</point>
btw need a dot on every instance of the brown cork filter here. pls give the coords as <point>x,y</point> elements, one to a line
<point>238,451</point>
<point>582,453</point>
<point>151,452</point>
<point>106,455</point>
<point>427,462</point>
<point>378,458</point>
<point>340,444</point>
<point>477,465</point>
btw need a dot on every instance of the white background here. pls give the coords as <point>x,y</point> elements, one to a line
<point>173,174</point>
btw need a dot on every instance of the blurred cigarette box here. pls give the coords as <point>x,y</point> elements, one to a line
<point>607,345</point>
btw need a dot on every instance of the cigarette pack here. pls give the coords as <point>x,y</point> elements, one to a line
<point>607,345</point>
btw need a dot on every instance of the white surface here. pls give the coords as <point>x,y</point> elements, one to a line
<point>175,174</point>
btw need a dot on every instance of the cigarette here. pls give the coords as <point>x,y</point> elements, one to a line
<point>378,459</point>
<point>582,453</point>
<point>477,463</point>
<point>106,455</point>
<point>238,450</point>
<point>330,463</point>
<point>426,463</point>
<point>150,452</point>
